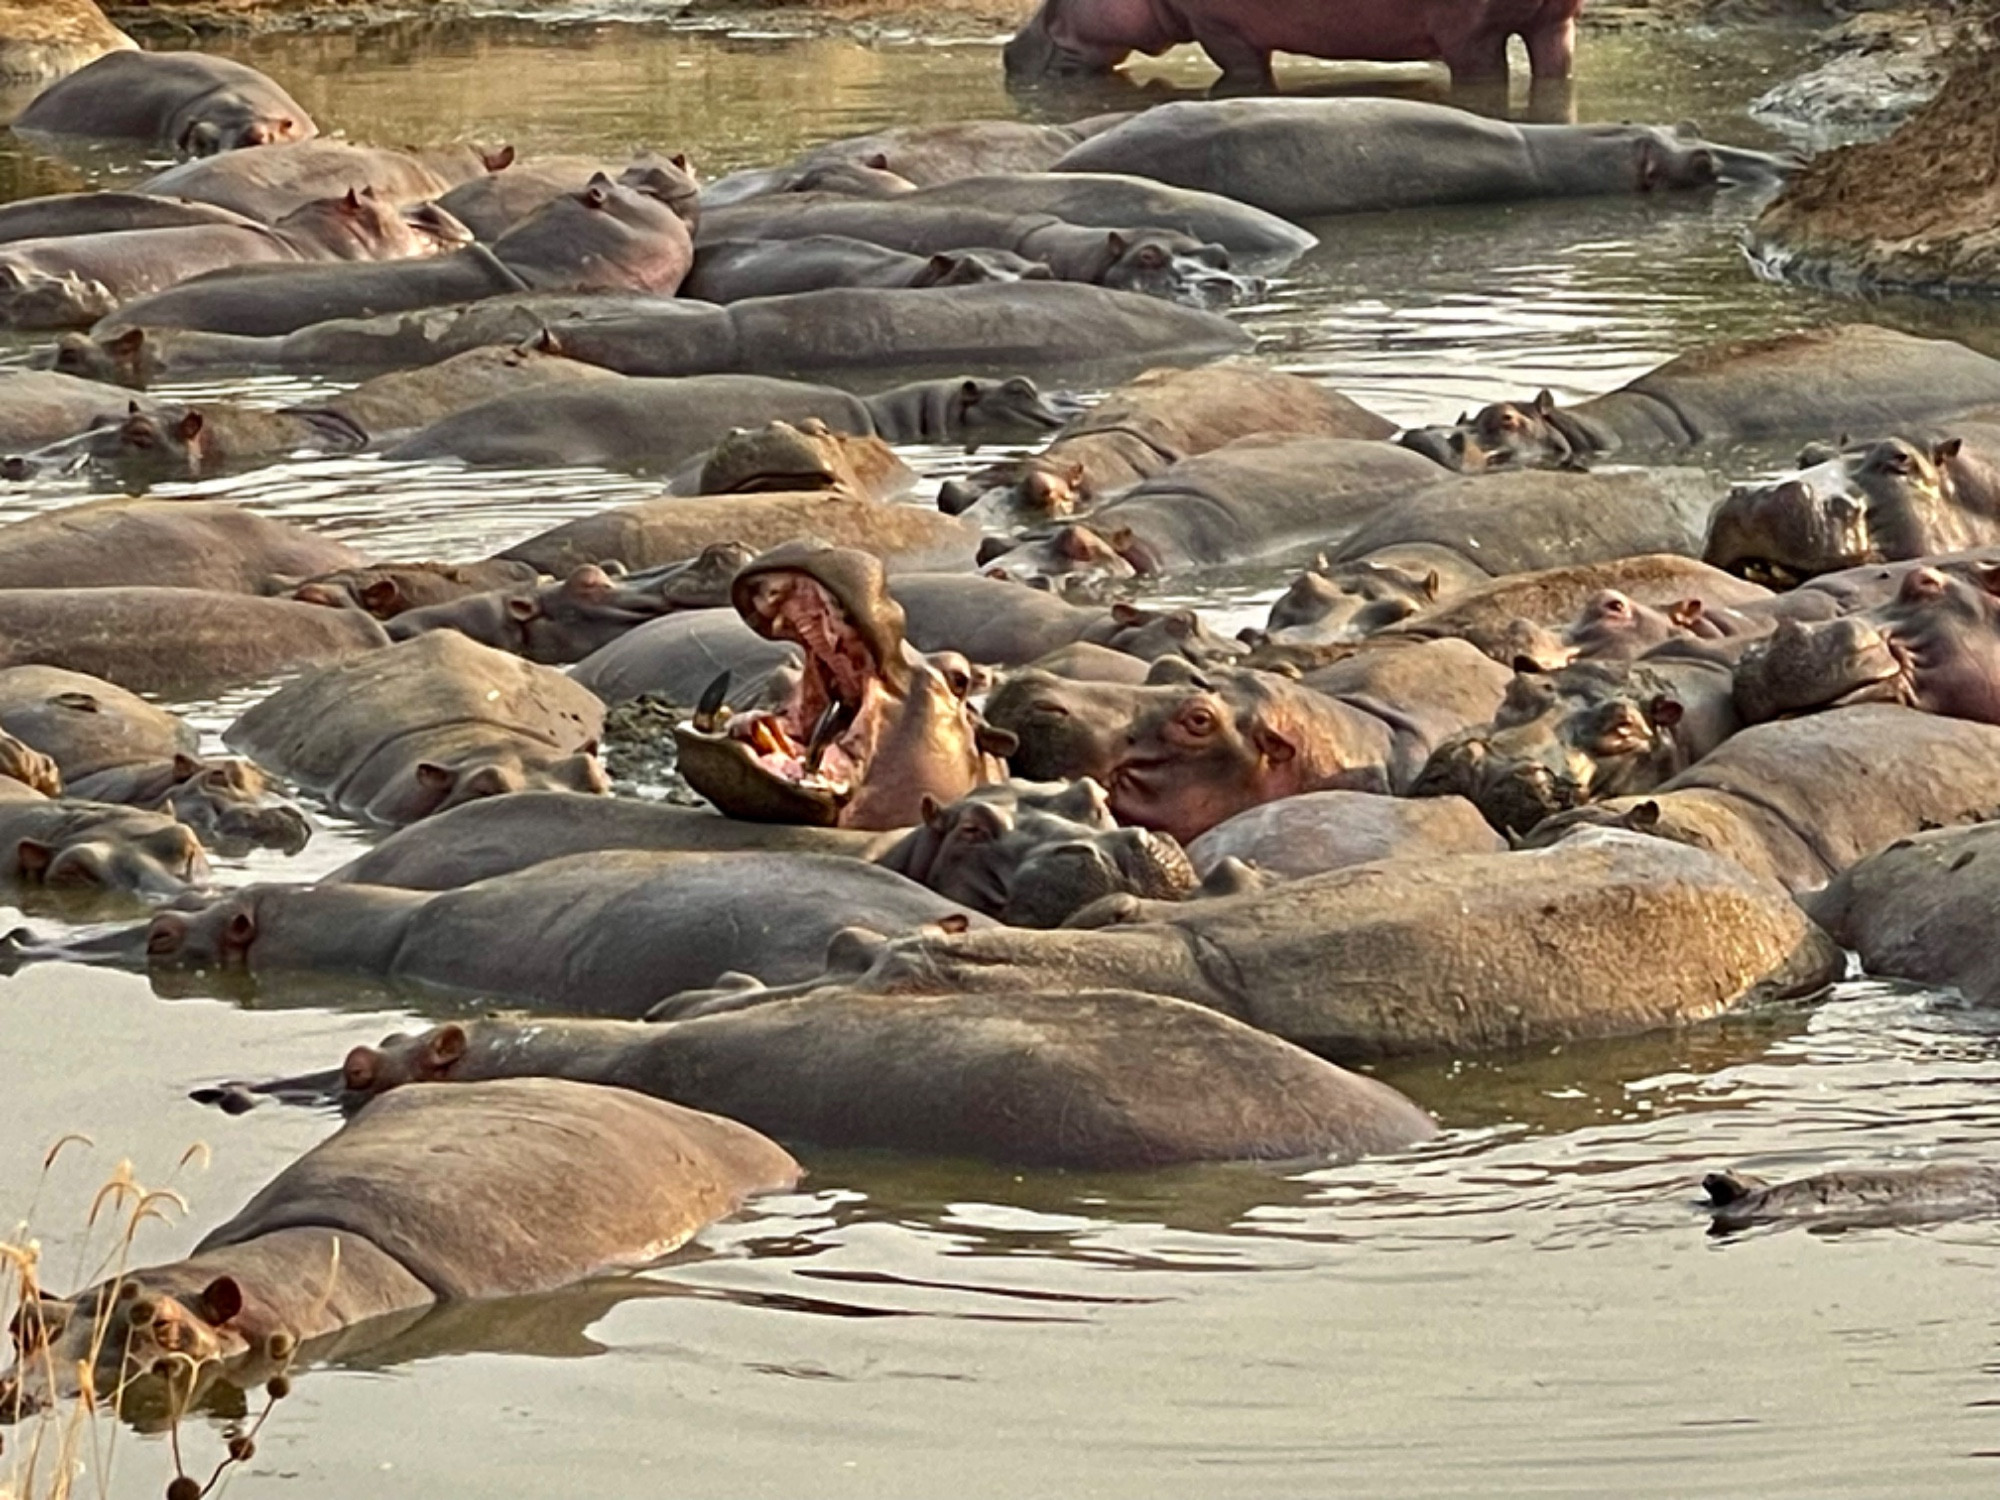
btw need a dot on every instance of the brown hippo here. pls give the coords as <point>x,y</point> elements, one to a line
<point>606,933</point>
<point>175,640</point>
<point>683,658</point>
<point>499,1189</point>
<point>1101,1080</point>
<point>170,443</point>
<point>403,401</point>
<point>1890,500</point>
<point>1319,831</point>
<point>386,590</point>
<point>425,725</point>
<point>808,455</point>
<point>66,852</point>
<point>162,544</point>
<point>1239,36</point>
<point>1922,909</point>
<point>105,211</point>
<point>493,203</point>
<point>1801,800</point>
<point>1033,854</point>
<point>872,728</point>
<point>1588,733</point>
<point>270,183</point>
<point>948,151</point>
<point>1331,604</point>
<point>1829,1202</point>
<point>607,238</point>
<point>189,102</point>
<point>1845,377</point>
<point>39,407</point>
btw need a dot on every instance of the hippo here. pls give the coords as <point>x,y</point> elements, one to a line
<point>1307,159</point>
<point>734,270</point>
<point>1844,377</point>
<point>1457,953</point>
<point>196,442</point>
<point>1094,36</point>
<point>491,204</point>
<point>1801,800</point>
<point>652,533</point>
<point>806,455</point>
<point>1033,854</point>
<point>395,1212</point>
<point>607,238</point>
<point>1147,425</point>
<point>949,151</point>
<point>1828,1202</point>
<point>871,728</point>
<point>160,543</point>
<point>1590,732</point>
<point>1000,623</point>
<point>659,424</point>
<point>603,933</point>
<point>76,280</point>
<point>110,745</point>
<point>39,407</point>
<point>71,853</point>
<point>106,211</point>
<point>1934,646</point>
<point>1331,604</point>
<point>1319,831</point>
<point>1889,500</point>
<point>1920,909</point>
<point>562,622</point>
<point>403,401</point>
<point>186,641</point>
<point>386,590</point>
<point>694,657</point>
<point>428,724</point>
<point>855,179</point>
<point>1031,325</point>
<point>1100,1080</point>
<point>269,183</point>
<point>189,102</point>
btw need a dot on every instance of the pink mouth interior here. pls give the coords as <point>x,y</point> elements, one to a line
<point>839,667</point>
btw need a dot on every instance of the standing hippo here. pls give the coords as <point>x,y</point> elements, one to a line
<point>189,102</point>
<point>1469,36</point>
<point>431,1195</point>
<point>871,729</point>
<point>428,724</point>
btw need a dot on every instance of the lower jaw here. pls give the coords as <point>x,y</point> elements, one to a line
<point>727,772</point>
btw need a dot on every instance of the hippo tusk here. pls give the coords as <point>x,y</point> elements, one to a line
<point>709,711</point>
<point>836,718</point>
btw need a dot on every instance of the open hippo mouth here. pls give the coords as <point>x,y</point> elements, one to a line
<point>803,761</point>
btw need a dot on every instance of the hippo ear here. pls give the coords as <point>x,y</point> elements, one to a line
<point>1649,168</point>
<point>351,203</point>
<point>78,702</point>
<point>879,162</point>
<point>932,813</point>
<point>679,159</point>
<point>1527,666</point>
<point>1117,244</point>
<point>1125,612</point>
<point>1643,818</point>
<point>220,1301</point>
<point>132,409</point>
<point>241,930</point>
<point>190,426</point>
<point>994,740</point>
<point>523,607</point>
<point>1948,449</point>
<point>1686,614</point>
<point>1273,746</point>
<point>32,858</point>
<point>186,767</point>
<point>362,1069</point>
<point>1664,711</point>
<point>1987,576</point>
<point>383,597</point>
<point>498,159</point>
<point>131,341</point>
<point>1702,166</point>
<point>433,777</point>
<point>442,1048</point>
<point>1431,584</point>
<point>1545,402</point>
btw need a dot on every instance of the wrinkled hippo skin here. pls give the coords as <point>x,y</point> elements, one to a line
<point>395,1212</point>
<point>1034,854</point>
<point>161,544</point>
<point>1801,800</point>
<point>602,933</point>
<point>871,729</point>
<point>1829,1202</point>
<point>1319,831</point>
<point>1105,1079</point>
<point>491,204</point>
<point>426,725</point>
<point>189,102</point>
<point>1239,36</point>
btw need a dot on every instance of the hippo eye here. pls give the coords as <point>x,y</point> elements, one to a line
<point>970,833</point>
<point>1896,461</point>
<point>1198,720</point>
<point>1151,258</point>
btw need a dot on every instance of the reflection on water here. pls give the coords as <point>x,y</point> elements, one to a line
<point>1526,1304</point>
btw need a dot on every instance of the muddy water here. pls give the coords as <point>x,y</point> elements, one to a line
<point>1527,1306</point>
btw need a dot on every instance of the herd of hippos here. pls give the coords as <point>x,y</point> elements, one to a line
<point>1554,739</point>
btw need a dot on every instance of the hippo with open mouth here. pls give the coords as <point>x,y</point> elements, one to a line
<point>870,730</point>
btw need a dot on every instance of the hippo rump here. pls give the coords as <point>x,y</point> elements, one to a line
<point>424,726</point>
<point>1922,909</point>
<point>1801,800</point>
<point>1103,1080</point>
<point>1239,36</point>
<point>175,640</point>
<point>1830,1202</point>
<point>1306,159</point>
<point>869,731</point>
<point>607,933</point>
<point>607,238</point>
<point>268,184</point>
<point>1847,377</point>
<point>81,858</point>
<point>188,544</point>
<point>189,102</point>
<point>499,1189</point>
<point>1319,831</point>
<point>1445,953</point>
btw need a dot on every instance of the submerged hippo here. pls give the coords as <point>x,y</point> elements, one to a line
<point>68,850</point>
<point>1239,36</point>
<point>1828,1202</point>
<point>395,1212</point>
<point>1104,1079</point>
<point>871,729</point>
<point>425,725</point>
<point>387,590</point>
<point>1922,909</point>
<point>1881,501</point>
<point>190,102</point>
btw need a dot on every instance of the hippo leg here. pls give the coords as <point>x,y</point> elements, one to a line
<point>1552,49</point>
<point>1246,67</point>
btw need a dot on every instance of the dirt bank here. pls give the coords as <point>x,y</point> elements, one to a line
<point>1920,210</point>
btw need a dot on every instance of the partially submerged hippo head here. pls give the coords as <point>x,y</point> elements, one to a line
<point>127,358</point>
<point>1507,434</point>
<point>1063,728</point>
<point>110,852</point>
<point>1326,605</point>
<point>1033,853</point>
<point>360,226</point>
<point>870,729</point>
<point>1613,626</point>
<point>671,180</point>
<point>606,238</point>
<point>1076,556</point>
<point>232,805</point>
<point>1009,410</point>
<point>979,267</point>
<point>1046,47</point>
<point>1030,489</point>
<point>804,455</point>
<point>1153,633</point>
<point>32,298</point>
<point>562,622</point>
<point>1872,501</point>
<point>1178,267</point>
<point>386,590</point>
<point>1560,740</point>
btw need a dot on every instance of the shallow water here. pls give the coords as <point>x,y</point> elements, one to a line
<point>1528,1305</point>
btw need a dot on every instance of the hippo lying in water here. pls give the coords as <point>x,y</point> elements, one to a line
<point>70,852</point>
<point>189,102</point>
<point>1922,909</point>
<point>395,1212</point>
<point>735,270</point>
<point>166,544</point>
<point>872,728</point>
<point>1828,1202</point>
<point>270,183</point>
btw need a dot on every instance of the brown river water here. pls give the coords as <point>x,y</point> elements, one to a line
<point>1527,1306</point>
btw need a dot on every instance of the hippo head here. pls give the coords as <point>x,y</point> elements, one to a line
<point>361,226</point>
<point>151,446</point>
<point>1203,747</point>
<point>226,123</point>
<point>870,177</point>
<point>1047,47</point>
<point>670,180</point>
<point>1063,728</point>
<point>870,728</point>
<point>977,267</point>
<point>128,358</point>
<point>1558,741</point>
<point>606,238</point>
<point>434,1056</point>
<point>564,622</point>
<point>1944,628</point>
<point>216,939</point>
<point>125,852</point>
<point>1837,510</point>
<point>1801,668</point>
<point>387,590</point>
<point>1034,854</point>
<point>33,298</point>
<point>1613,626</point>
<point>1323,605</point>
<point>1177,267</point>
<point>1508,434</point>
<point>231,804</point>
<point>1007,410</point>
<point>28,766</point>
<point>1080,556</point>
<point>1035,488</point>
<point>803,455</point>
<point>432,787</point>
<point>1150,634</point>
